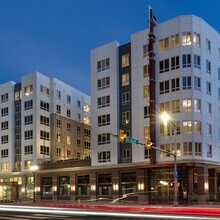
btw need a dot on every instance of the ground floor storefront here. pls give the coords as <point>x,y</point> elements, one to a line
<point>197,182</point>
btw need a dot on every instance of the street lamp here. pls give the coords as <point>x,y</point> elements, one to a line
<point>34,169</point>
<point>166,119</point>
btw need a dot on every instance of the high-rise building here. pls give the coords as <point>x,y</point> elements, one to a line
<point>171,67</point>
<point>43,120</point>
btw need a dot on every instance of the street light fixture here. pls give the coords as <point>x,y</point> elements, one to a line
<point>167,119</point>
<point>34,169</point>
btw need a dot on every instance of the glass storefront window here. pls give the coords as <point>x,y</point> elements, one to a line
<point>83,185</point>
<point>47,186</point>
<point>64,185</point>
<point>105,184</point>
<point>128,183</point>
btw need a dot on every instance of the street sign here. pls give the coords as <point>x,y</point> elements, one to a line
<point>131,140</point>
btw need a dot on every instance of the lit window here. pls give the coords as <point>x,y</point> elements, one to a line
<point>176,106</point>
<point>125,79</point>
<point>86,120</point>
<point>196,39</point>
<point>164,44</point>
<point>125,60</point>
<point>175,41</point>
<point>187,148</point>
<point>197,127</point>
<point>145,50</point>
<point>187,127</point>
<point>186,38</point>
<point>126,117</point>
<point>146,92</point>
<point>28,90</point>
<point>86,108</point>
<point>68,139</point>
<point>146,71</point>
<point>197,105</point>
<point>187,105</point>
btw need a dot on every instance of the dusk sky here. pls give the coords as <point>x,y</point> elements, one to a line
<point>55,37</point>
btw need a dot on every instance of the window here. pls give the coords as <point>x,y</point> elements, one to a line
<point>58,123</point>
<point>197,62</point>
<point>187,105</point>
<point>126,154</point>
<point>145,50</point>
<point>28,149</point>
<point>87,132</point>
<point>125,60</point>
<point>218,93</point>
<point>197,83</point>
<point>17,109</point>
<point>78,103</point>
<point>164,44</point>
<point>197,105</point>
<point>197,127</point>
<point>103,120</point>
<point>44,120</point>
<point>18,95</point>
<point>68,126</point>
<point>28,135</point>
<point>103,64</point>
<point>103,101</point>
<point>28,90</point>
<point>175,41</point>
<point>58,137</point>
<point>209,108</point>
<point>125,79</point>
<point>68,113</point>
<point>164,87</point>
<point>146,111</point>
<point>104,138</point>
<point>186,38</point>
<point>86,144</point>
<point>175,84</point>
<point>176,106</point>
<point>17,137</point>
<point>165,147</point>
<point>18,123</point>
<point>28,119</point>
<point>44,106</point>
<point>58,94</point>
<point>218,73</point>
<point>44,135</point>
<point>209,150</point>
<point>187,148</point>
<point>4,167</point>
<point>44,90</point>
<point>175,63</point>
<point>103,83</point>
<point>125,98</point>
<point>64,185</point>
<point>78,129</point>
<point>86,108</point>
<point>126,117</point>
<point>4,125</point>
<point>146,92</point>
<point>58,152</point>
<point>196,39</point>
<point>208,45</point>
<point>209,130</point>
<point>104,156</point>
<point>146,70</point>
<point>165,107</point>
<point>86,120</point>
<point>58,109</point>
<point>187,127</point>
<point>28,105</point>
<point>208,88</point>
<point>4,111</point>
<point>78,143</point>
<point>186,60</point>
<point>186,82</point>
<point>44,150</point>
<point>4,97</point>
<point>68,99</point>
<point>164,66</point>
<point>198,149</point>
<point>4,153</point>
<point>208,66</point>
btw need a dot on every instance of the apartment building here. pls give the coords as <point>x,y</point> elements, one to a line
<point>171,67</point>
<point>43,121</point>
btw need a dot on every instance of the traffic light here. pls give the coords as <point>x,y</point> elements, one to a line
<point>122,136</point>
<point>148,143</point>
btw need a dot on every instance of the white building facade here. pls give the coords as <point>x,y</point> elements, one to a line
<point>172,67</point>
<point>43,120</point>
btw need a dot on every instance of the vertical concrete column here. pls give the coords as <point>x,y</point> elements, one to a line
<point>141,185</point>
<point>115,184</point>
<point>55,186</point>
<point>203,183</point>
<point>190,184</point>
<point>73,186</point>
<point>212,184</point>
<point>93,185</point>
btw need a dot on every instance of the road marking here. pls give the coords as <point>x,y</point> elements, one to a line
<point>12,218</point>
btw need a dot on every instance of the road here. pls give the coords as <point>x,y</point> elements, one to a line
<point>35,213</point>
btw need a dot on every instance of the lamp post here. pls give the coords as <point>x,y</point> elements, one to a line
<point>34,169</point>
<point>166,119</point>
